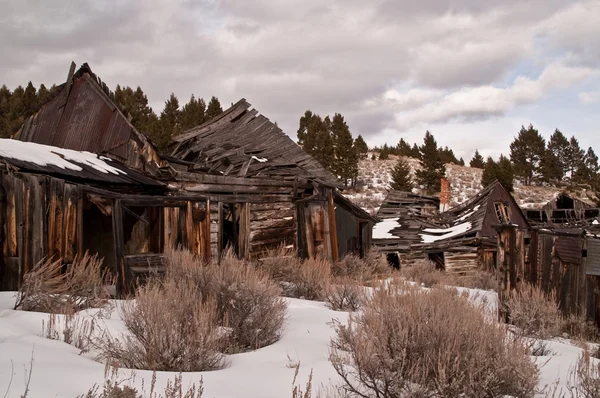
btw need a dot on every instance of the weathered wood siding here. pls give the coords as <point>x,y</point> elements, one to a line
<point>271,225</point>
<point>461,262</point>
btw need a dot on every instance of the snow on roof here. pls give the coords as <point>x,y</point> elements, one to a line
<point>444,233</point>
<point>382,229</point>
<point>45,155</point>
<point>467,214</point>
<point>261,160</point>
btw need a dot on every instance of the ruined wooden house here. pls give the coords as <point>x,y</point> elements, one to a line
<point>249,187</point>
<point>243,152</point>
<point>564,210</point>
<point>459,239</point>
<point>57,203</point>
<point>563,260</point>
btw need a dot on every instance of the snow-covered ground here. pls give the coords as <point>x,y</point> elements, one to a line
<point>60,371</point>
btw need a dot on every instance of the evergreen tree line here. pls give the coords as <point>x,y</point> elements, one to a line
<point>330,142</point>
<point>403,148</point>
<point>532,161</point>
<point>17,105</point>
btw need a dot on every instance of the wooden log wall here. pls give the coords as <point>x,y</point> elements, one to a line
<point>462,262</point>
<point>271,225</point>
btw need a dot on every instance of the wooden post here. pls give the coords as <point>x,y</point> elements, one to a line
<point>220,232</point>
<point>308,229</point>
<point>333,227</point>
<point>117,224</point>
<point>244,234</point>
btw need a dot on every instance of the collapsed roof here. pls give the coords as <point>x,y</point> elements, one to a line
<point>241,142</point>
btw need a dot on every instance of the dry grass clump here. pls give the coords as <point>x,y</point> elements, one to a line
<point>50,288</point>
<point>534,312</point>
<point>170,329</point>
<point>372,266</point>
<point>578,326</point>
<point>173,389</point>
<point>313,279</point>
<point>345,294</point>
<point>429,344</point>
<point>423,272</point>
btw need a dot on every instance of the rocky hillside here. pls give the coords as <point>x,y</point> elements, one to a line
<point>375,177</point>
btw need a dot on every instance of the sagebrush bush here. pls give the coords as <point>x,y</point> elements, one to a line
<point>534,312</point>
<point>173,389</point>
<point>429,344</point>
<point>423,272</point>
<point>50,288</point>
<point>248,302</point>
<point>345,294</point>
<point>372,266</point>
<point>169,329</point>
<point>313,279</point>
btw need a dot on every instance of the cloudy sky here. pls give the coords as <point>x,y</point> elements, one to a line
<point>472,73</point>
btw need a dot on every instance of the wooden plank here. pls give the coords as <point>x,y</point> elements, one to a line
<point>332,227</point>
<point>220,231</point>
<point>244,233</point>
<point>117,225</point>
<point>308,230</point>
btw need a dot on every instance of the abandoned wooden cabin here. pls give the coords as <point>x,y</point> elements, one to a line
<point>244,199</point>
<point>564,260</point>
<point>564,210</point>
<point>242,151</point>
<point>56,203</point>
<point>403,215</point>
<point>458,240</point>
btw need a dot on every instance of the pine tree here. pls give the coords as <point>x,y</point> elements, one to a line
<point>401,179</point>
<point>134,105</point>
<point>588,171</point>
<point>432,166</point>
<point>169,124</point>
<point>193,113</point>
<point>404,148</point>
<point>461,162</point>
<point>506,173</point>
<point>477,161</point>
<point>314,135</point>
<point>490,172</point>
<point>526,153</point>
<point>373,157</point>
<point>575,161</point>
<point>214,108</point>
<point>384,154</point>
<point>447,155</point>
<point>5,95</point>
<point>361,147</point>
<point>415,151</point>
<point>345,157</point>
<point>30,100</point>
<point>551,170</point>
<point>558,145</point>
<point>42,95</point>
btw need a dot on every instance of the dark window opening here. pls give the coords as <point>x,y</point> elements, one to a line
<point>97,233</point>
<point>565,202</point>
<point>394,260</point>
<point>502,212</point>
<point>231,227</point>
<point>437,259</point>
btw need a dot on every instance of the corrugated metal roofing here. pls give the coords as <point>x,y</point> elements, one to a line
<point>569,249</point>
<point>593,256</point>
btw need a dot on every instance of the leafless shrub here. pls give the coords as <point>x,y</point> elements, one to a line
<point>173,389</point>
<point>372,266</point>
<point>534,312</point>
<point>170,329</point>
<point>578,326</point>
<point>248,303</point>
<point>583,380</point>
<point>429,344</point>
<point>313,279</point>
<point>478,279</point>
<point>281,264</point>
<point>539,348</point>
<point>345,294</point>
<point>423,272</point>
<point>48,288</point>
<point>73,330</point>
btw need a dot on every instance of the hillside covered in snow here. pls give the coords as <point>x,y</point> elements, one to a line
<point>465,182</point>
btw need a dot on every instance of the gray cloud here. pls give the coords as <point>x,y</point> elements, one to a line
<point>386,65</point>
